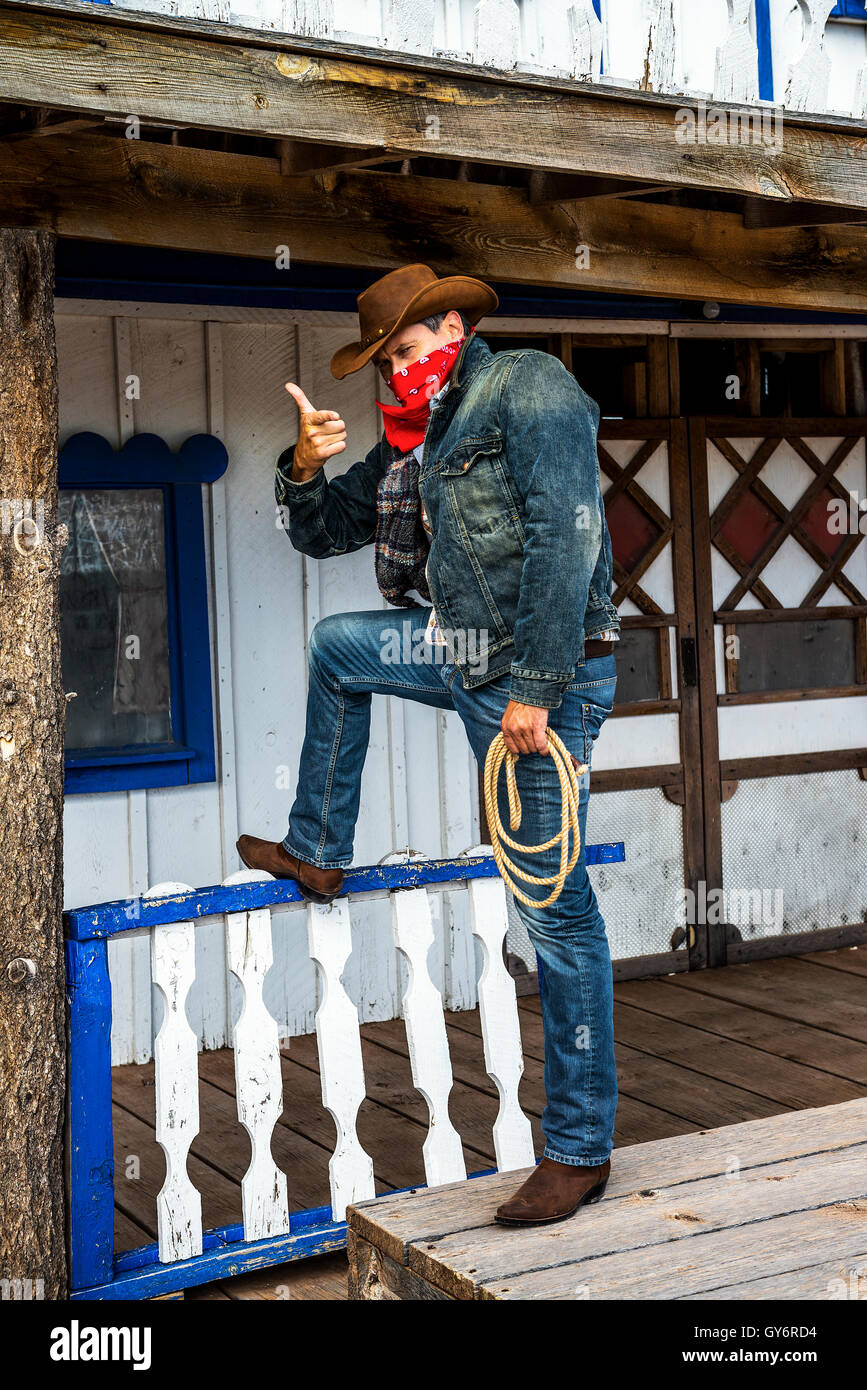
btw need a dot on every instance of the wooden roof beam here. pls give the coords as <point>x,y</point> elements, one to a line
<point>113,62</point>
<point>192,199</point>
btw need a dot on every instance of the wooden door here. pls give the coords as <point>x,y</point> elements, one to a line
<point>781,591</point>
<point>646,786</point>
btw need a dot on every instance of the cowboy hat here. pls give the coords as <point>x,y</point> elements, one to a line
<point>408,295</point>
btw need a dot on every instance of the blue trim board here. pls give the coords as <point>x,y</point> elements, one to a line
<point>763,46</point>
<point>88,460</point>
<point>93,270</point>
<point>131,914</point>
<point>135,775</point>
<point>191,652</point>
<point>91,1155</point>
<point>132,752</point>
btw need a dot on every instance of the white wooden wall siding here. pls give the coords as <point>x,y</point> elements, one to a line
<point>176,1080</point>
<point>702,49</point>
<point>501,1033</point>
<point>350,1169</point>
<point>258,1076</point>
<point>426,1035</point>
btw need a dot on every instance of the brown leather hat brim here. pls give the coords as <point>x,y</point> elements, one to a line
<point>473,297</point>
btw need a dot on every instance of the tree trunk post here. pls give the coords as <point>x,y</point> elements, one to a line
<point>32,719</point>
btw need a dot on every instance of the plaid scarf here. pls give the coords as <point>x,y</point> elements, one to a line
<point>401,544</point>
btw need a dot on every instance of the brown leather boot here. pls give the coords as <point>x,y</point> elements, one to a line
<point>552,1192</point>
<point>319,885</point>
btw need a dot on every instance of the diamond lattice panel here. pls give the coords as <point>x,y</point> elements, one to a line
<point>636,489</point>
<point>770,519</point>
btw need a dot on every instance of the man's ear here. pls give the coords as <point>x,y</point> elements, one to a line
<point>454,324</point>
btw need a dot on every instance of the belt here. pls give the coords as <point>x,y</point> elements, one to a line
<point>596,647</point>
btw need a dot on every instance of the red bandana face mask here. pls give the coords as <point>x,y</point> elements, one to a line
<point>405,424</point>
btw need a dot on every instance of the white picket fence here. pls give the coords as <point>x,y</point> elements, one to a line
<point>258,1080</point>
<point>659,45</point>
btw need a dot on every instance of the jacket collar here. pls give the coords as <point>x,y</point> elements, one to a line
<point>473,354</point>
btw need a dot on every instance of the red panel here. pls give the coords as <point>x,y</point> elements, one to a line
<point>632,530</point>
<point>815,523</point>
<point>750,527</point>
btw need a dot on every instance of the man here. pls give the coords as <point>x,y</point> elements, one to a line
<point>485,499</point>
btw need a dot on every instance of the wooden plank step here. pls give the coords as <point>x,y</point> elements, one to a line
<point>835,1279</point>
<point>832,1236</point>
<point>660,1195</point>
<point>631,1226</point>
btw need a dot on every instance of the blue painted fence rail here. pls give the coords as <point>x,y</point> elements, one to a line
<point>127,914</point>
<point>96,1272</point>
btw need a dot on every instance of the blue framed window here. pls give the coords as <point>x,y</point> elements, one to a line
<point>135,639</point>
<point>850,9</point>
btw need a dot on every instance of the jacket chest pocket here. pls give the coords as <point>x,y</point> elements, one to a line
<point>468,453</point>
<point>475,479</point>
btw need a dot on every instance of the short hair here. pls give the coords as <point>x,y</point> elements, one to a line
<point>435,321</point>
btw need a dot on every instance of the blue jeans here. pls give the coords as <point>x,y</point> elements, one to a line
<point>355,655</point>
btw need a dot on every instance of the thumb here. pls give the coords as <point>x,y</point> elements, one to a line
<point>299,398</point>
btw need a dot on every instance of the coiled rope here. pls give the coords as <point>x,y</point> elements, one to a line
<point>569,793</point>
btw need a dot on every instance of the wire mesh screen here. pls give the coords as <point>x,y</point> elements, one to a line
<point>640,900</point>
<point>795,853</point>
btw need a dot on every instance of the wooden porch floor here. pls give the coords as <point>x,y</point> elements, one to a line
<point>693,1052</point>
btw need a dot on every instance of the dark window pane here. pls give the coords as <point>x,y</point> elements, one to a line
<point>790,383</point>
<point>637,660</point>
<point>706,369</point>
<point>604,372</point>
<point>114,617</point>
<point>796,655</point>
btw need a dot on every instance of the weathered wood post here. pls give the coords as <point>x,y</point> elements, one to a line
<point>32,716</point>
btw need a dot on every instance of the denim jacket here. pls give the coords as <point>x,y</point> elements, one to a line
<point>520,561</point>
